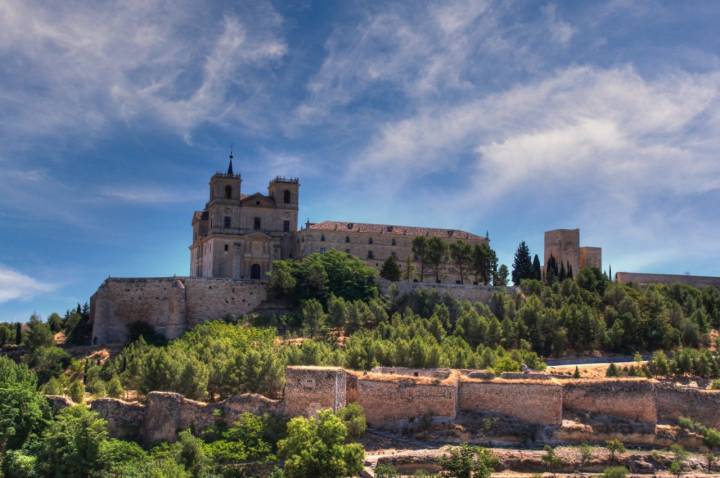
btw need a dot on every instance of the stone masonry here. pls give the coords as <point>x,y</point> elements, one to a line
<point>407,397</point>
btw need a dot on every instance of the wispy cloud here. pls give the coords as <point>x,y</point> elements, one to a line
<point>150,195</point>
<point>77,68</point>
<point>15,285</point>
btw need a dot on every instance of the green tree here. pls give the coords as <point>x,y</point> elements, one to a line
<point>612,371</point>
<point>384,470</point>
<point>576,373</point>
<point>419,249</point>
<point>71,444</point>
<point>551,271</point>
<point>551,460</point>
<point>315,448</point>
<point>436,254</point>
<point>586,453</point>
<point>502,276</point>
<point>49,362</point>
<point>23,410</point>
<point>614,446</point>
<point>461,254</point>
<point>391,269</point>
<point>314,318</point>
<point>77,391</point>
<point>281,281</point>
<point>468,462</point>
<point>536,268</point>
<point>522,264</point>
<point>114,387</point>
<point>55,322</point>
<point>353,416</point>
<point>38,334</point>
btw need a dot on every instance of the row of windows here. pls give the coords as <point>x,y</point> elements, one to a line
<point>287,195</point>
<point>257,224</point>
<point>347,239</point>
<point>370,254</point>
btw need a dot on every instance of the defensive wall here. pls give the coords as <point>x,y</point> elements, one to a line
<point>171,305</point>
<point>403,399</point>
<point>669,279</point>
<point>471,292</point>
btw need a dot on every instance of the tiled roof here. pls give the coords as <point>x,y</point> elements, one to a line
<point>391,229</point>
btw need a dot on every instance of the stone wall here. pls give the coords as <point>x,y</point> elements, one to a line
<point>398,400</point>
<point>675,401</point>
<point>125,419</point>
<point>669,279</point>
<point>170,305</point>
<point>309,389</point>
<point>538,402</point>
<point>473,293</point>
<point>564,246</point>
<point>632,399</point>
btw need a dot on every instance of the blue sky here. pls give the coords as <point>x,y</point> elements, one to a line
<point>513,116</point>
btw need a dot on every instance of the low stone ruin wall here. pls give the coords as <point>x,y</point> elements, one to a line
<point>632,399</point>
<point>675,401</point>
<point>125,419</point>
<point>391,401</point>
<point>530,401</point>
<point>309,389</point>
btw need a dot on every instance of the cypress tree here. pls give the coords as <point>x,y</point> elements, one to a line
<point>18,333</point>
<point>537,271</point>
<point>569,271</point>
<point>551,274</point>
<point>522,264</point>
<point>562,276</point>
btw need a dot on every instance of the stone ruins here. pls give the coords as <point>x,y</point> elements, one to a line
<point>558,409</point>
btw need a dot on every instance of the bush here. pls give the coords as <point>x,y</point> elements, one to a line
<point>615,472</point>
<point>353,416</point>
<point>77,391</point>
<point>468,462</point>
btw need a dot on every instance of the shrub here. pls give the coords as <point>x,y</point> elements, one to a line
<point>615,472</point>
<point>353,416</point>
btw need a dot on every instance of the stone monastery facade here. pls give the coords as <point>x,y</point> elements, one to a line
<point>238,236</point>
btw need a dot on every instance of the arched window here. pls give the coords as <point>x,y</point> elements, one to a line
<point>255,271</point>
<point>370,241</point>
<point>322,237</point>
<point>371,255</point>
<point>394,243</point>
<point>228,192</point>
<point>286,197</point>
<point>347,238</point>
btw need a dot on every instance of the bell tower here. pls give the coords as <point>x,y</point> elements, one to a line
<point>225,187</point>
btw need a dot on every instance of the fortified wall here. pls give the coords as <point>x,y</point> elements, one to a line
<point>401,398</point>
<point>668,279</point>
<point>471,292</point>
<point>171,305</point>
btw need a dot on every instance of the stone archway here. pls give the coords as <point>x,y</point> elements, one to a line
<point>255,271</point>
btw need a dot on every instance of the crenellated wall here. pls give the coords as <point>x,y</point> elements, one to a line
<point>171,305</point>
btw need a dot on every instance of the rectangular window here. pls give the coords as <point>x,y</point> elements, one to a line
<point>256,225</point>
<point>286,226</point>
<point>226,222</point>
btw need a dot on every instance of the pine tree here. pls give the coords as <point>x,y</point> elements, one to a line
<point>576,374</point>
<point>522,264</point>
<point>420,249</point>
<point>537,274</point>
<point>390,269</point>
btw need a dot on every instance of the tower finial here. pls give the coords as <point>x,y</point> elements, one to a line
<point>230,168</point>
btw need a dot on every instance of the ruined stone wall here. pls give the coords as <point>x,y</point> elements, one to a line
<point>398,400</point>
<point>675,401</point>
<point>125,419</point>
<point>309,389</point>
<point>632,399</point>
<point>441,373</point>
<point>539,402</point>
<point>669,279</point>
<point>473,293</point>
<point>120,302</point>
<point>170,305</point>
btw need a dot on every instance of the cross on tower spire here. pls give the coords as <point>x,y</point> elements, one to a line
<point>230,168</point>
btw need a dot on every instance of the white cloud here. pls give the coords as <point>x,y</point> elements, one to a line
<point>16,285</point>
<point>77,67</point>
<point>150,195</point>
